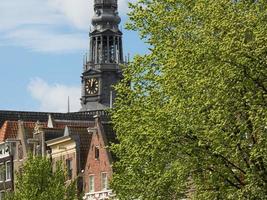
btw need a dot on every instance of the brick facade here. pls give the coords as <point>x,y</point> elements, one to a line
<point>97,164</point>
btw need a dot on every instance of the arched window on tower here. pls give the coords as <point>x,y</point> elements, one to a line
<point>112,44</point>
<point>105,49</point>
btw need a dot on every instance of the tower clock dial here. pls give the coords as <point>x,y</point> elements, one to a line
<point>92,86</point>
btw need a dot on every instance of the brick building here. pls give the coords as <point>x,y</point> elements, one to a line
<point>98,168</point>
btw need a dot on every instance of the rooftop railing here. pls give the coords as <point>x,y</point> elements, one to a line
<point>106,2</point>
<point>101,195</point>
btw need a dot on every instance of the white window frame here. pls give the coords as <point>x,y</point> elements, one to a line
<point>91,183</point>
<point>8,176</point>
<point>104,183</point>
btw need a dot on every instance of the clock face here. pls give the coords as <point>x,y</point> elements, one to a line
<point>92,86</point>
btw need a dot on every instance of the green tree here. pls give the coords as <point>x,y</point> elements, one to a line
<point>194,121</point>
<point>37,181</point>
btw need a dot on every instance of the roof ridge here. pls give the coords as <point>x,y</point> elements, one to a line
<point>72,120</point>
<point>71,126</point>
<point>40,112</point>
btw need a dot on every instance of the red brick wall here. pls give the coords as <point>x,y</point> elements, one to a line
<point>96,167</point>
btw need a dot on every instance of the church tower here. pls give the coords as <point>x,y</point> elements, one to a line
<point>101,67</point>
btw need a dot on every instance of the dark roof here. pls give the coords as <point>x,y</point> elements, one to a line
<point>52,133</point>
<point>84,138</point>
<point>76,123</point>
<point>43,116</point>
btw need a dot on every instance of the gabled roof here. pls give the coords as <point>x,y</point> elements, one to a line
<point>84,138</point>
<point>106,133</point>
<point>79,134</point>
<point>91,72</point>
<point>10,129</point>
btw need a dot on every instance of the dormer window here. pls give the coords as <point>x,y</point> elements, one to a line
<point>97,152</point>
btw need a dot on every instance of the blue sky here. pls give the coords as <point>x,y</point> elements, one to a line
<point>42,43</point>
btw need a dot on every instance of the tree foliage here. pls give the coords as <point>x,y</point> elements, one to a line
<point>194,121</point>
<point>37,181</point>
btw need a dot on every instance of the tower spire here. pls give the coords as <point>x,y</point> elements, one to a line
<point>106,4</point>
<point>106,15</point>
<point>102,69</point>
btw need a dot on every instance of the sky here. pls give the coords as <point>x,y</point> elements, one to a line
<point>42,43</point>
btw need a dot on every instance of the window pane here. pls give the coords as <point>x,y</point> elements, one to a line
<point>2,172</point>
<point>97,153</point>
<point>2,195</point>
<point>91,184</point>
<point>69,168</point>
<point>104,181</point>
<point>8,170</point>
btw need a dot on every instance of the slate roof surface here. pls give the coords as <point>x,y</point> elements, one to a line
<point>73,123</point>
<point>84,142</point>
<point>52,133</point>
<point>43,116</point>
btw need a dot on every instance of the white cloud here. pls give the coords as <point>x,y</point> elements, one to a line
<point>54,97</point>
<point>46,25</point>
<point>17,13</point>
<point>43,40</point>
<point>77,12</point>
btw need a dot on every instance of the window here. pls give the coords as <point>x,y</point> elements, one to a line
<point>8,170</point>
<point>2,172</point>
<point>97,153</point>
<point>69,168</point>
<point>20,152</point>
<point>2,195</point>
<point>91,183</point>
<point>104,181</point>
